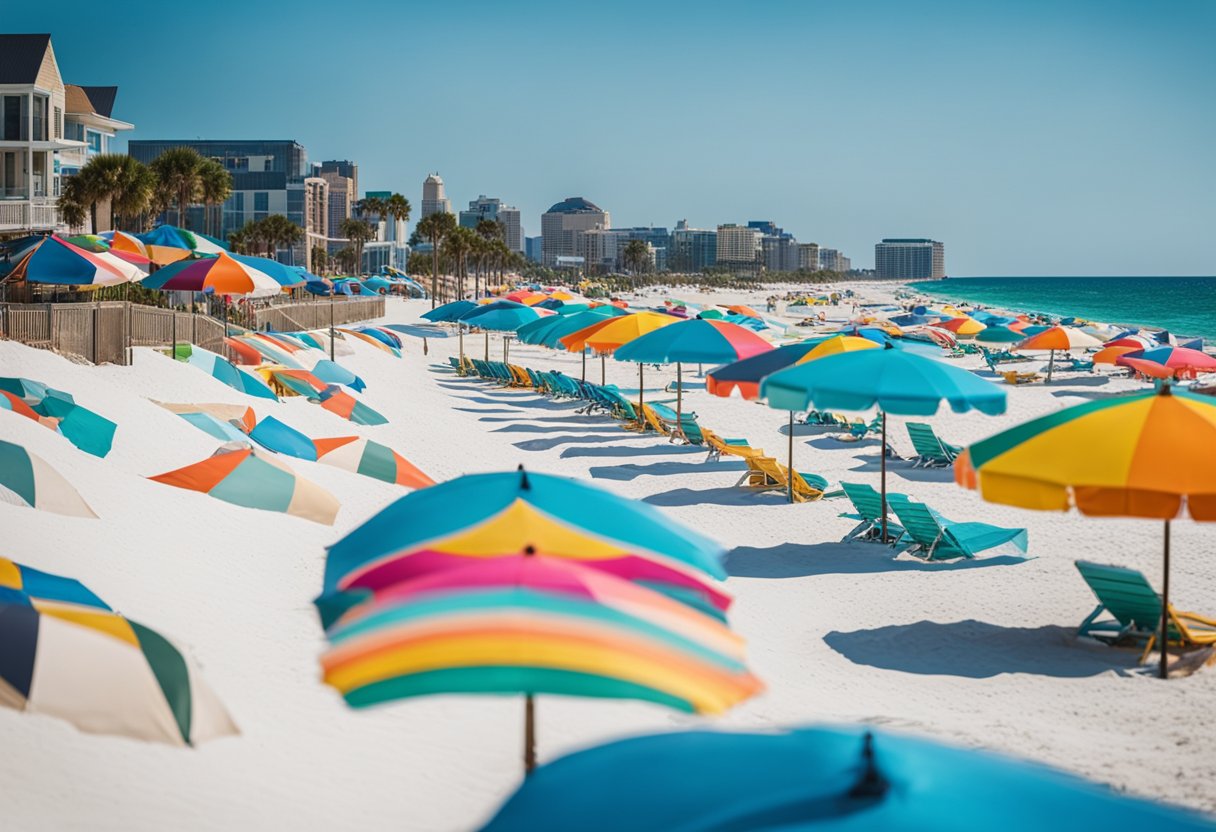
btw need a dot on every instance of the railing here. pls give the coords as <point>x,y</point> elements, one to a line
<point>104,332</point>
<point>40,212</point>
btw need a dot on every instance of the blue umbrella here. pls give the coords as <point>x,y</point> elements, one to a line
<point>894,381</point>
<point>449,312</point>
<point>827,779</point>
<point>548,332</point>
<point>499,316</point>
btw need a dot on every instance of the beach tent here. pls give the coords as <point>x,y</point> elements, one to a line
<point>88,431</point>
<point>242,476</point>
<point>28,480</point>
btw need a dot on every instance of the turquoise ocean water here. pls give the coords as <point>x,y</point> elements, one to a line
<point>1183,305</point>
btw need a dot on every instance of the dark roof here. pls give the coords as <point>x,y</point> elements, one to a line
<point>102,99</point>
<point>21,57</point>
<point>574,205</point>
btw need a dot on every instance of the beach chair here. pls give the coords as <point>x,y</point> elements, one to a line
<point>1134,608</point>
<point>650,419</point>
<point>859,429</point>
<point>731,447</point>
<point>931,451</point>
<point>1078,365</point>
<point>933,537</point>
<point>868,505</point>
<point>1014,377</point>
<point>767,474</point>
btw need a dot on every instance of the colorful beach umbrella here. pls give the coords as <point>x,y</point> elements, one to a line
<point>171,236</point>
<point>530,624</point>
<point>88,431</point>
<point>224,371</point>
<point>331,397</point>
<point>220,275</point>
<point>239,475</point>
<point>28,480</point>
<point>56,261</point>
<point>999,335</point>
<point>1140,455</point>
<point>1057,338</point>
<point>838,344</point>
<point>121,241</point>
<point>1168,362</point>
<point>1108,354</point>
<point>285,276</point>
<point>105,674</point>
<point>891,380</point>
<point>482,516</point>
<point>840,778</point>
<point>962,326</point>
<point>24,585</point>
<point>225,422</point>
<point>744,376</point>
<point>351,453</point>
<point>606,336</point>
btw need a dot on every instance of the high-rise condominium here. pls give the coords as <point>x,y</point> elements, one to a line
<point>433,199</point>
<point>899,258</point>
<point>561,224</point>
<point>738,245</point>
<point>485,208</point>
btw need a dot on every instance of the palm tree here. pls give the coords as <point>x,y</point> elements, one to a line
<point>136,187</point>
<point>281,233</point>
<point>435,227</point>
<point>75,203</point>
<point>359,232</point>
<point>215,185</point>
<point>636,256</point>
<point>372,206</point>
<point>459,245</point>
<point>112,178</point>
<point>179,179</point>
<point>320,259</point>
<point>397,208</point>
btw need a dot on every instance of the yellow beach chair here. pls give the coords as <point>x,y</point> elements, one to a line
<point>1014,377</point>
<point>767,474</point>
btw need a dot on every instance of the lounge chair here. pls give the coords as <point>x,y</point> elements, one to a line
<point>931,451</point>
<point>1135,611</point>
<point>933,537</point>
<point>1014,377</point>
<point>731,447</point>
<point>868,504</point>
<point>859,429</point>
<point>767,474</point>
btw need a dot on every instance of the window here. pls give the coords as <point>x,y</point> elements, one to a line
<point>58,123</point>
<point>261,201</point>
<point>94,141</point>
<point>238,202</point>
<point>12,118</point>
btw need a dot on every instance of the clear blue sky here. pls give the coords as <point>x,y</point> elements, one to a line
<point>1032,137</point>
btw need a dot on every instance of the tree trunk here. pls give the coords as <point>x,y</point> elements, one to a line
<point>434,271</point>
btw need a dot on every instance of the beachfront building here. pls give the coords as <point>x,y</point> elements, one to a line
<point>558,227</point>
<point>831,260</point>
<point>738,245</point>
<point>780,252</point>
<point>339,207</point>
<point>433,199</point>
<point>316,217</point>
<point>44,129</point>
<point>341,167</point>
<point>390,248</point>
<point>485,208</point>
<point>267,178</point>
<point>657,238</point>
<point>533,248</point>
<point>808,257</point>
<point>691,249</point>
<point>898,258</point>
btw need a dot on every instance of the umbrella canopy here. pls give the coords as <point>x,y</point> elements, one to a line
<point>1108,354</point>
<point>28,480</point>
<point>1059,338</point>
<point>449,311</point>
<point>285,276</point>
<point>892,380</point>
<point>329,396</point>
<point>534,624</point>
<point>253,350</point>
<point>500,316</point>
<point>225,422</point>
<point>740,309</point>
<point>482,516</point>
<point>996,334</point>
<point>352,453</point>
<point>1167,362</point>
<point>831,778</point>
<point>105,674</point>
<point>56,261</point>
<point>221,275</point>
<point>332,372</point>
<point>1133,340</point>
<point>745,375</point>
<point>225,372</point>
<point>838,344</point>
<point>122,242</point>
<point>607,336</point>
<point>88,431</point>
<point>962,327</point>
<point>170,236</point>
<point>548,332</point>
<point>241,476</point>
<point>20,584</point>
<point>694,341</point>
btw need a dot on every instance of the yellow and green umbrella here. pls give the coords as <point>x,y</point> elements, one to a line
<point>1142,455</point>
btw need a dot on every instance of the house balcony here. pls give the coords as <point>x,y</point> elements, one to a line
<point>21,213</point>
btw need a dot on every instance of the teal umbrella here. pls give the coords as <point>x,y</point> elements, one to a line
<point>999,335</point>
<point>89,431</point>
<point>548,332</point>
<point>894,381</point>
<point>499,316</point>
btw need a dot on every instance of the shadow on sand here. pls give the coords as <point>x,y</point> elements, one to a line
<point>549,443</point>
<point>528,427</point>
<point>978,650</point>
<point>796,560</point>
<point>629,471</point>
<point>729,496</point>
<point>663,449</point>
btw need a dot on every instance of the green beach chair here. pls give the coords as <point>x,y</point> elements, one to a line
<point>868,505</point>
<point>931,451</point>
<point>1135,610</point>
<point>933,537</point>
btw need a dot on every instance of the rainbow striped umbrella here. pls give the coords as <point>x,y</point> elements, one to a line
<point>532,624</point>
<point>28,480</point>
<point>1168,362</point>
<point>239,475</point>
<point>352,453</point>
<point>120,242</point>
<point>1139,455</point>
<point>221,275</point>
<point>55,260</point>
<point>103,673</point>
<point>1054,338</point>
<point>481,516</point>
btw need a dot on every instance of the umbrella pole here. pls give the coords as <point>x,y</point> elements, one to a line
<point>790,475</point>
<point>1051,363</point>
<point>603,371</point>
<point>529,734</point>
<point>1165,606</point>
<point>680,399</point>
<point>487,346</point>
<point>505,342</point>
<point>641,397</point>
<point>882,462</point>
<point>584,364</point>
<point>460,335</point>
<point>331,324</point>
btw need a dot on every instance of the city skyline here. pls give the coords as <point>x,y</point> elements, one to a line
<point>1030,144</point>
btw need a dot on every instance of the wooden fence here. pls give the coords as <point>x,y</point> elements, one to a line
<point>104,332</point>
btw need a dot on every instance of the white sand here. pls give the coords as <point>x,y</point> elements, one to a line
<point>982,653</point>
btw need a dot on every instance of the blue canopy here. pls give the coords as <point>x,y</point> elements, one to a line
<point>281,438</point>
<point>500,316</point>
<point>449,311</point>
<point>332,372</point>
<point>825,779</point>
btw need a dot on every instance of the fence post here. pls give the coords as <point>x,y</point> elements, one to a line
<point>130,353</point>
<point>94,333</point>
